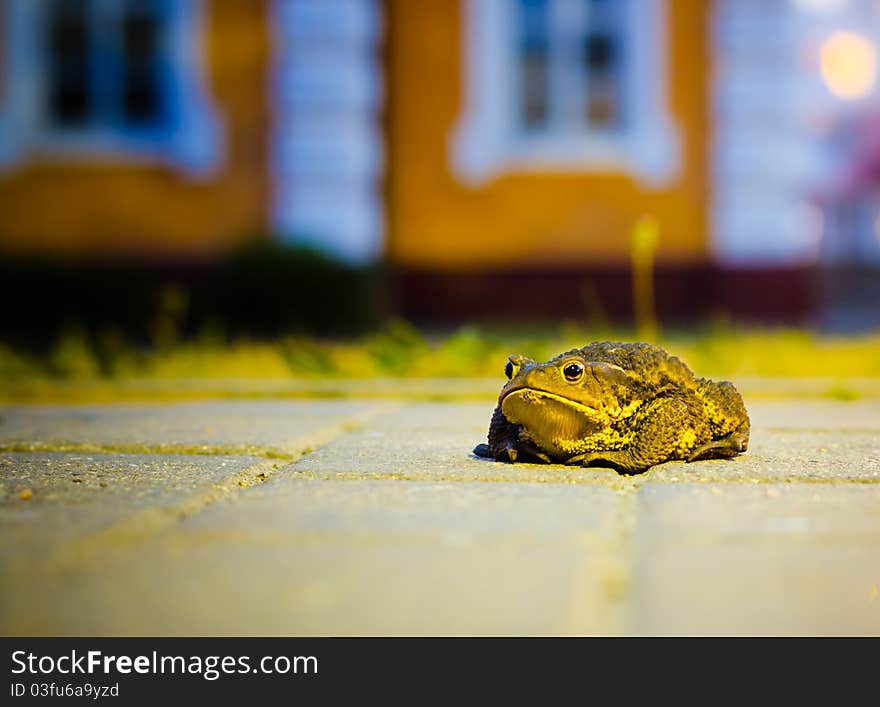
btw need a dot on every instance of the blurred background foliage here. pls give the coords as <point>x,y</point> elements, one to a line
<point>399,349</point>
<point>265,290</point>
<point>265,190</point>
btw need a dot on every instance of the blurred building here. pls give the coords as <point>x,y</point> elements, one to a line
<point>133,128</point>
<point>497,153</point>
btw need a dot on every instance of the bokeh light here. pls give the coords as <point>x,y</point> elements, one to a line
<point>848,62</point>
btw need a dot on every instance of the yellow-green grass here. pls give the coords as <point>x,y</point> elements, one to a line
<point>402,351</point>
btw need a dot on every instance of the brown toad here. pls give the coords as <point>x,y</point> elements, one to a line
<point>627,406</point>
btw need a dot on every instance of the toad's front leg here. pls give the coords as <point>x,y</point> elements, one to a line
<point>506,443</point>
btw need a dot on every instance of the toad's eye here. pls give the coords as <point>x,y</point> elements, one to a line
<point>573,372</point>
<point>508,370</point>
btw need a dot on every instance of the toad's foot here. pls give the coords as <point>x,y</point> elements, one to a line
<point>725,448</point>
<point>519,452</point>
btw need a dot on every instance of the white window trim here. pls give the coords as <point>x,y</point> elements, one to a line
<point>194,145</point>
<point>487,142</point>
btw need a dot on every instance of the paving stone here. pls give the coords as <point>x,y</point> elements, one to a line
<point>273,426</point>
<point>330,557</point>
<point>391,526</point>
<point>814,414</point>
<point>431,441</point>
<point>68,496</point>
<point>727,559</point>
<point>419,441</point>
<point>51,503</point>
<point>788,455</point>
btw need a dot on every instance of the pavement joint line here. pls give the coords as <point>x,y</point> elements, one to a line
<point>287,454</point>
<point>199,396</point>
<point>614,480</point>
<point>65,447</point>
<point>454,389</point>
<point>613,566</point>
<point>150,521</point>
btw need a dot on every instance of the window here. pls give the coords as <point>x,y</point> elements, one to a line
<point>104,63</point>
<point>106,78</point>
<point>68,62</point>
<point>569,59</point>
<point>142,36</point>
<point>534,63</point>
<point>564,85</point>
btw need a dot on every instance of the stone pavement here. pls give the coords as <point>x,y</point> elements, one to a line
<point>370,516</point>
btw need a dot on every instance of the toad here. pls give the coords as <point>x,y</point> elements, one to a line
<point>627,406</point>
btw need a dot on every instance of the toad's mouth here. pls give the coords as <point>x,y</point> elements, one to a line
<point>548,415</point>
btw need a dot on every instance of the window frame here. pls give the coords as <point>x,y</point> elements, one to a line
<point>190,141</point>
<point>487,141</point>
<point>568,25</point>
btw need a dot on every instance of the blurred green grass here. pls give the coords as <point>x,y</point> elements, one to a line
<point>401,350</point>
